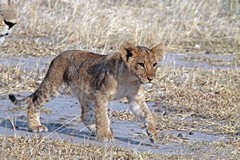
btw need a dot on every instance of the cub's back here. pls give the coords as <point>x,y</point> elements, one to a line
<point>77,56</point>
<point>59,65</point>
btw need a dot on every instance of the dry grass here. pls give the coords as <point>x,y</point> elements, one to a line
<point>211,95</point>
<point>43,148</point>
<point>15,79</point>
<point>48,27</point>
<point>214,150</point>
<point>123,115</point>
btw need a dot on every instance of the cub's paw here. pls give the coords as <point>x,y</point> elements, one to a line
<point>152,133</point>
<point>105,136</point>
<point>153,137</point>
<point>38,128</point>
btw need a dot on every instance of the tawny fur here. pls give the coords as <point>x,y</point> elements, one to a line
<point>7,18</point>
<point>95,80</point>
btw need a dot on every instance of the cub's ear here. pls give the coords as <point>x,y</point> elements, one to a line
<point>127,50</point>
<point>158,51</point>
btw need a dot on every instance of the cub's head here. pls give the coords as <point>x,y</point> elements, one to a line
<point>142,61</point>
<point>7,18</point>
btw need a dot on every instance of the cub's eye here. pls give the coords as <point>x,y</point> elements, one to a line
<point>154,65</point>
<point>141,65</point>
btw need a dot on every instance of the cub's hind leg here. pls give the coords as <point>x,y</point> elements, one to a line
<point>35,101</point>
<point>88,115</point>
<point>41,96</point>
<point>33,115</point>
<point>55,81</point>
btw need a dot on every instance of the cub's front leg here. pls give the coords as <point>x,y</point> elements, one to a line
<point>140,109</point>
<point>102,121</point>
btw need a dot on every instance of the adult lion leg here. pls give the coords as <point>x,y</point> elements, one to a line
<point>140,109</point>
<point>104,132</point>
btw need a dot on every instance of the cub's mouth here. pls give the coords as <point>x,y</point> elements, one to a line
<point>144,81</point>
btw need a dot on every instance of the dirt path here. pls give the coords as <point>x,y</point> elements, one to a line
<point>64,124</point>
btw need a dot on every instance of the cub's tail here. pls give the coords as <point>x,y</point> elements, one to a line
<point>15,101</point>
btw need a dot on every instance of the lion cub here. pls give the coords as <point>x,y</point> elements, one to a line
<point>95,80</point>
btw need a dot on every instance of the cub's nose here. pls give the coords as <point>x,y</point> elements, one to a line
<point>150,78</point>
